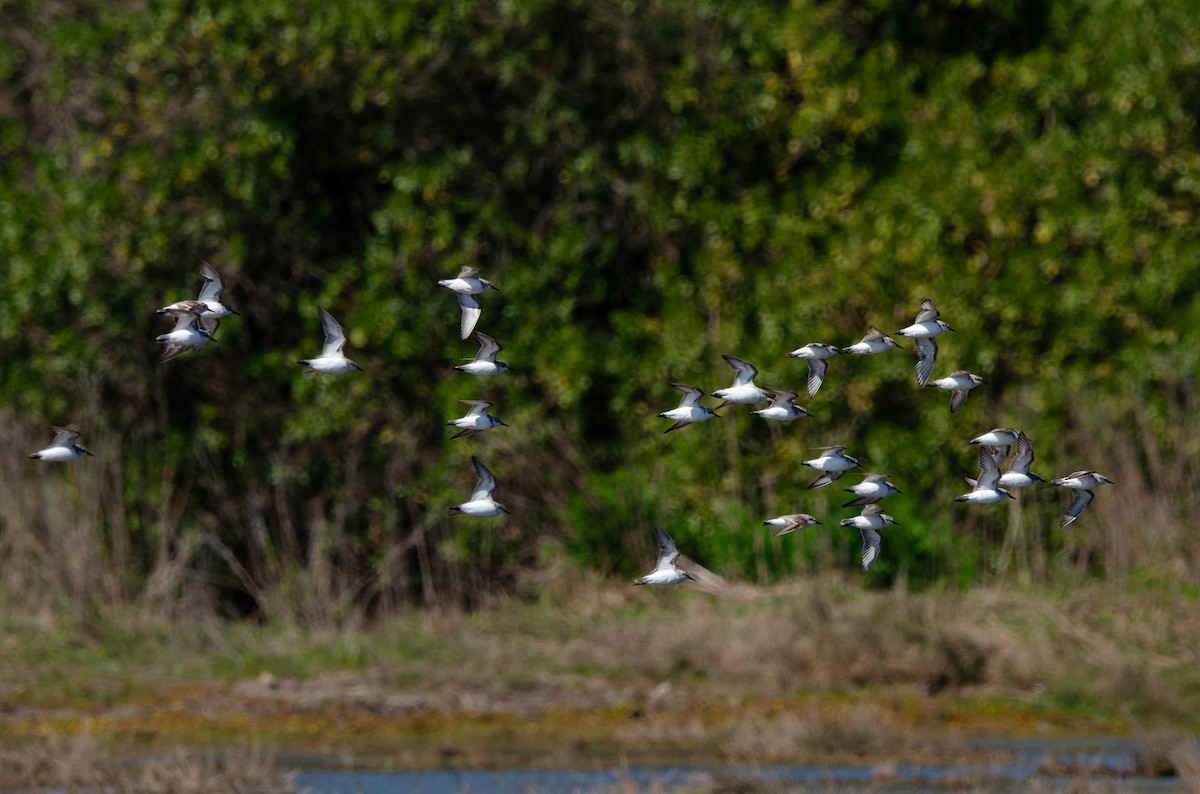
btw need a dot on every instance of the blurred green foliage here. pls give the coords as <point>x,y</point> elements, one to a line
<point>649,185</point>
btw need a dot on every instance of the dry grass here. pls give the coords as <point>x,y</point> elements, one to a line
<point>1159,759</point>
<point>863,731</point>
<point>1183,759</point>
<point>81,764</point>
<point>822,635</point>
<point>703,783</point>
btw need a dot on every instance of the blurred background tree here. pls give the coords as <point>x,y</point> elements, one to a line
<point>650,185</point>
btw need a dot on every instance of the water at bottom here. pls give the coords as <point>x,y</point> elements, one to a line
<point>1109,765</point>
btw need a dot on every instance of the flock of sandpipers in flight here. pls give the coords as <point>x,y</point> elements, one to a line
<point>988,488</point>
<point>196,322</point>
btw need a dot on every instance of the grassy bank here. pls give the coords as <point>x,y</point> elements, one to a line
<point>814,670</point>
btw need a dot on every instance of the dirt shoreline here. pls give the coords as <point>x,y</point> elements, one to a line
<point>357,718</point>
